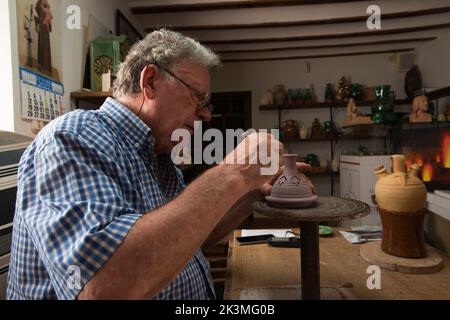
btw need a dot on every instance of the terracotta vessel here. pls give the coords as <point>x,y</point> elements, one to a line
<point>279,95</point>
<point>292,189</point>
<point>400,199</point>
<point>290,129</point>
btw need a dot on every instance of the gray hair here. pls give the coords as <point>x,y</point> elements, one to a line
<point>165,48</point>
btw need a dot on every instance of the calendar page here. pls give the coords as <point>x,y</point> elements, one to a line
<point>42,98</point>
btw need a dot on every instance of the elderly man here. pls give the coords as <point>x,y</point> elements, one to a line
<point>103,213</point>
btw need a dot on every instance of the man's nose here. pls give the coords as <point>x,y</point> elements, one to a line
<point>204,114</point>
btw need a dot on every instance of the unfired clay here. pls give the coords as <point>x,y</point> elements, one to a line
<point>292,189</point>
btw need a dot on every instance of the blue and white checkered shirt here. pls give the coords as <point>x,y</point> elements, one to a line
<point>83,183</point>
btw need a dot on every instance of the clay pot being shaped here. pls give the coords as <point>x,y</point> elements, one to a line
<point>292,189</point>
<point>400,199</point>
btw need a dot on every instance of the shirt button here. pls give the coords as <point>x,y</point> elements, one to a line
<point>137,145</point>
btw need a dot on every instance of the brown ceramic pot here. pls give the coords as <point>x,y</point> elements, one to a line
<point>292,189</point>
<point>403,234</point>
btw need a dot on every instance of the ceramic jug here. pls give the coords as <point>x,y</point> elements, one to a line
<point>400,199</point>
<point>303,133</point>
<point>292,189</point>
<point>399,191</point>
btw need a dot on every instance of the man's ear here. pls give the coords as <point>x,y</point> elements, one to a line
<point>148,75</point>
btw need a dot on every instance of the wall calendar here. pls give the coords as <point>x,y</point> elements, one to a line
<point>42,98</point>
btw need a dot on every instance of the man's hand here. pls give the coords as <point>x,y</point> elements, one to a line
<point>255,154</point>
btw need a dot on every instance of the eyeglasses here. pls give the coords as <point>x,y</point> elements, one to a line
<point>203,99</point>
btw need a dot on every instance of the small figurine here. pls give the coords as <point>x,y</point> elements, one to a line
<point>266,98</point>
<point>279,95</point>
<point>419,114</point>
<point>317,130</point>
<point>354,116</point>
<point>343,89</point>
<point>290,129</point>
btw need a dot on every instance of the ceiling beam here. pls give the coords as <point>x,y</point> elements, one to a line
<point>330,36</point>
<point>224,5</point>
<point>318,56</point>
<point>327,46</point>
<point>284,24</point>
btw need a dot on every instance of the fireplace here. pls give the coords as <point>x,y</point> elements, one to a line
<point>429,147</point>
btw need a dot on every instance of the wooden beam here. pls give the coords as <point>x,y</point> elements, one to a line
<point>330,36</point>
<point>302,23</point>
<point>243,4</point>
<point>327,46</point>
<point>317,56</point>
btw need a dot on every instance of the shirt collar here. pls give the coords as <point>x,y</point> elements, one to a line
<point>133,128</point>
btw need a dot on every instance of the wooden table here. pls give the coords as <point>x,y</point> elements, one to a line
<point>260,265</point>
<point>324,209</point>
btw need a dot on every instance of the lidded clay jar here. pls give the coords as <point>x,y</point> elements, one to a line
<point>292,189</point>
<point>399,191</point>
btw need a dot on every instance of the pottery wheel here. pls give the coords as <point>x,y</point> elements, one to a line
<point>324,209</point>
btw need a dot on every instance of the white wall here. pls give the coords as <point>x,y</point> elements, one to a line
<point>6,76</point>
<point>434,63</point>
<point>72,42</point>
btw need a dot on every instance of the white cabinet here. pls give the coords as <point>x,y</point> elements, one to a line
<point>357,181</point>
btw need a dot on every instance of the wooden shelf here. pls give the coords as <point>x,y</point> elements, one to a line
<point>404,125</point>
<point>305,140</point>
<point>439,93</point>
<point>90,95</point>
<point>321,173</point>
<point>89,100</point>
<point>326,105</point>
<point>315,105</point>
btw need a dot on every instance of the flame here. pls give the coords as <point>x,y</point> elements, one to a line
<point>427,173</point>
<point>438,158</point>
<point>446,150</point>
<point>408,163</point>
<point>419,161</point>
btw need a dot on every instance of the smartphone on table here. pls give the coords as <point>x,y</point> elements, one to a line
<point>254,239</point>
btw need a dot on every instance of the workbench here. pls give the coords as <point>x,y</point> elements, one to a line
<point>253,267</point>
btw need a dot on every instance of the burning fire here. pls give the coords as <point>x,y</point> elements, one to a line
<point>427,172</point>
<point>419,161</point>
<point>446,150</point>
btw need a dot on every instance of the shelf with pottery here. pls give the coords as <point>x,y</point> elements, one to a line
<point>325,105</point>
<point>432,95</point>
<point>403,125</point>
